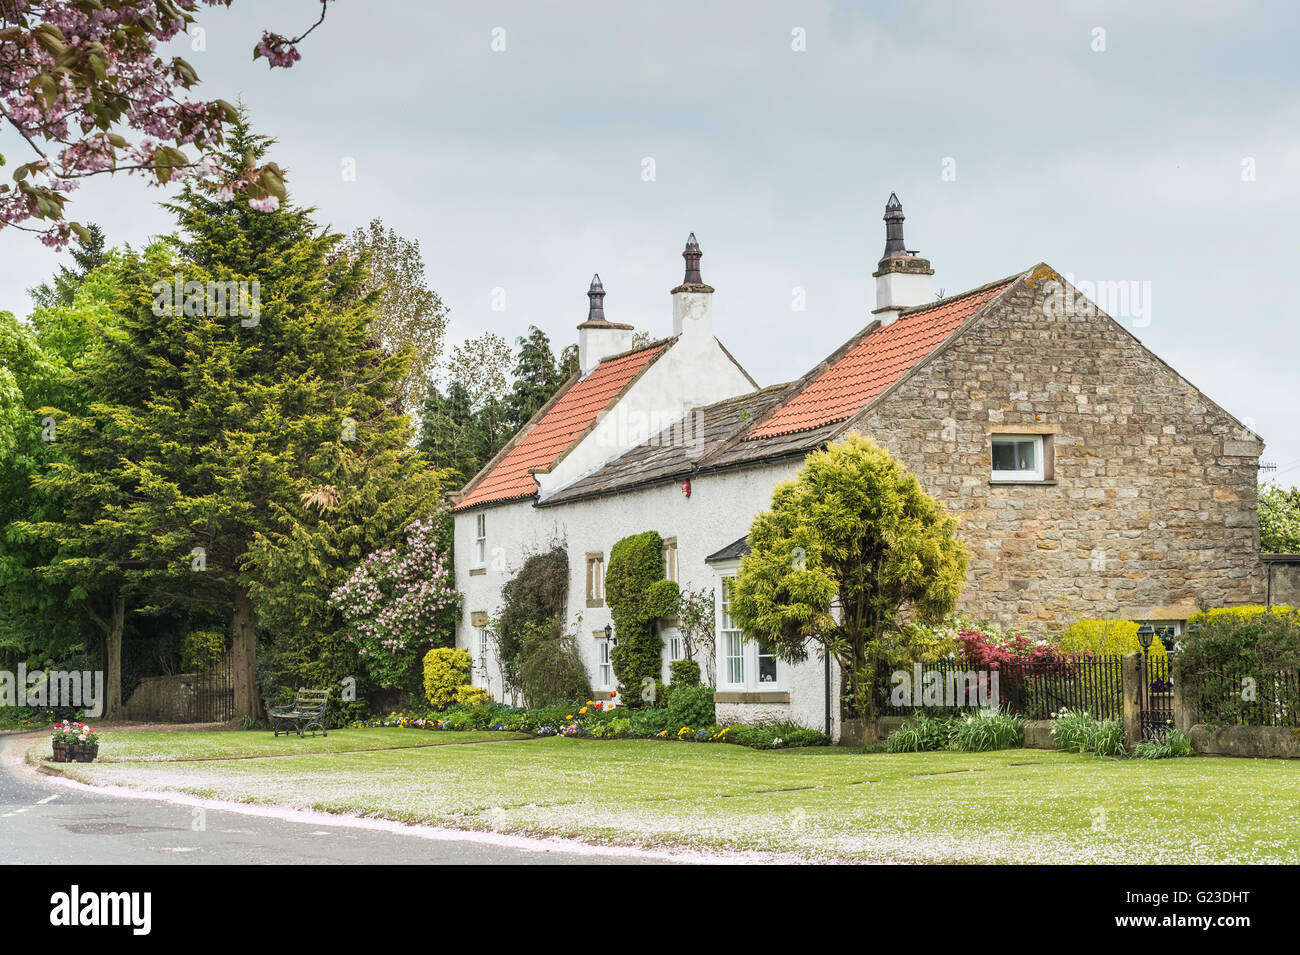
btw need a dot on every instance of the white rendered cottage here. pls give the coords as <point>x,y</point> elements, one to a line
<point>1088,477</point>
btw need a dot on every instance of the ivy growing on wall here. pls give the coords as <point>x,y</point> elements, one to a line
<point>637,594</point>
<point>536,654</point>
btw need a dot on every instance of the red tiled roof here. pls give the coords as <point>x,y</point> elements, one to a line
<point>552,435</point>
<point>871,365</point>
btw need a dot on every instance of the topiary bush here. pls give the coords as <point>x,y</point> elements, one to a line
<point>637,594</point>
<point>446,670</point>
<point>684,672</point>
<point>472,695</point>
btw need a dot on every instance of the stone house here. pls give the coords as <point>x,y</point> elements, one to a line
<point>1088,477</point>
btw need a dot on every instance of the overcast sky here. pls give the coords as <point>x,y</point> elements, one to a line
<point>1169,158</point>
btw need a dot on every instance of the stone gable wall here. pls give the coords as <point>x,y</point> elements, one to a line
<point>1152,504</point>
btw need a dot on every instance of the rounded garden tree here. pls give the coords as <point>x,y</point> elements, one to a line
<point>850,551</point>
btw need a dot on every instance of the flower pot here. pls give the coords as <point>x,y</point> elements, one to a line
<point>82,752</point>
<point>60,752</point>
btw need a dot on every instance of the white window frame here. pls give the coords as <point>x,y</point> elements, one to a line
<point>1035,473</point>
<point>738,655</point>
<point>480,540</point>
<point>604,667</point>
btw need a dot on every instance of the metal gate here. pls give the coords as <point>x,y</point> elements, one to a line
<point>1156,698</point>
<point>214,692</point>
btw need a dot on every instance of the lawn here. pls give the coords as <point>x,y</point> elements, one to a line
<point>821,803</point>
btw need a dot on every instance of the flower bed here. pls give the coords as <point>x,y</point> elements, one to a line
<point>601,719</point>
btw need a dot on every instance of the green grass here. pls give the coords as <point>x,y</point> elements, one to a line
<point>230,744</point>
<point>824,803</point>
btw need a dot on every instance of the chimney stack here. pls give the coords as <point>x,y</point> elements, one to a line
<point>902,277</point>
<point>692,300</point>
<point>598,338</point>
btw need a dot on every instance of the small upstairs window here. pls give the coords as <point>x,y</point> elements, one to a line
<point>1018,457</point>
<point>480,540</point>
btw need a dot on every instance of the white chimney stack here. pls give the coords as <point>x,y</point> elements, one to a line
<point>902,277</point>
<point>597,338</point>
<point>693,300</point>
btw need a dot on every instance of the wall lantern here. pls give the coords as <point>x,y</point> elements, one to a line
<point>609,634</point>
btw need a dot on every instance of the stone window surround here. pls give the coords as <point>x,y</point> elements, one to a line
<point>670,558</point>
<point>595,579</point>
<point>1047,432</point>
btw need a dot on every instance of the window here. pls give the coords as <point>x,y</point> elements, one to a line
<point>675,651</point>
<point>1017,457</point>
<point>746,664</point>
<point>604,669</point>
<point>595,580</point>
<point>670,558</point>
<point>1169,631</point>
<point>733,640</point>
<point>480,540</point>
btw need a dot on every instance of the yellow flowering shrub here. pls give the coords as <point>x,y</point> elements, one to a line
<point>446,669</point>
<point>1238,613</point>
<point>1106,637</point>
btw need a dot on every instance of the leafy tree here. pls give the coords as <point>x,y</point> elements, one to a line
<point>481,366</point>
<point>536,378</point>
<point>77,77</point>
<point>446,432</point>
<point>88,255</point>
<point>638,595</point>
<point>849,551</point>
<point>218,430</point>
<point>1279,520</point>
<point>407,312</point>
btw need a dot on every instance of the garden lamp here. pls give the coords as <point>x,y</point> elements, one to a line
<point>1145,633</point>
<point>609,634</point>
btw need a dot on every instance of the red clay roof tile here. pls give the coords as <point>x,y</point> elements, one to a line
<point>871,365</point>
<point>552,435</point>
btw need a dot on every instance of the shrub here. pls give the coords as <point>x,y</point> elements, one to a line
<point>684,672</point>
<point>650,722</point>
<point>691,706</point>
<point>1245,612</point>
<point>1233,645</point>
<point>201,649</point>
<point>550,670</point>
<point>637,594</point>
<point>472,695</point>
<point>534,597</point>
<point>921,734</point>
<point>774,736</point>
<point>1106,637</point>
<point>446,669</point>
<point>979,733</point>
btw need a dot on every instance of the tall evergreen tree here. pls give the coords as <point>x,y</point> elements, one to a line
<point>535,378</point>
<point>246,446</point>
<point>87,254</point>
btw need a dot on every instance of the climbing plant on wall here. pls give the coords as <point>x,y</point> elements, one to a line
<point>637,594</point>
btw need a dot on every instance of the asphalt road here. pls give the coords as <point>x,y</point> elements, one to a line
<point>44,822</point>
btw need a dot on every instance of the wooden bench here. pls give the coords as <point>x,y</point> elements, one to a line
<point>306,712</point>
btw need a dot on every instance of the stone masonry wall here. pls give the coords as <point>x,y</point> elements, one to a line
<point>1150,506</point>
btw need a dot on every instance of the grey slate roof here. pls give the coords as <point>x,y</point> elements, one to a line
<point>733,550</point>
<point>682,449</point>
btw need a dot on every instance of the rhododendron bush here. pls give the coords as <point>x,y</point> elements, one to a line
<point>76,75</point>
<point>400,602</point>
